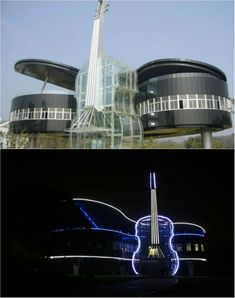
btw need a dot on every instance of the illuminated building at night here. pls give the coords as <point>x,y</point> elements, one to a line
<point>110,105</point>
<point>94,237</point>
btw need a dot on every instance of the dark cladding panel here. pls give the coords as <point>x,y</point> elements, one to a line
<point>191,85</point>
<point>43,100</point>
<point>188,118</point>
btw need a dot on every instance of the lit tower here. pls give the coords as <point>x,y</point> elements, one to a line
<point>154,248</point>
<point>104,89</point>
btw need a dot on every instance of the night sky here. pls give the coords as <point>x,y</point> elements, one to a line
<point>194,185</point>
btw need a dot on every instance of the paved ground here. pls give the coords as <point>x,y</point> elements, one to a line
<point>200,286</point>
<point>135,288</point>
<point>111,286</point>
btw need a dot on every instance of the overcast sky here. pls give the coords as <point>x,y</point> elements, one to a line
<point>135,32</point>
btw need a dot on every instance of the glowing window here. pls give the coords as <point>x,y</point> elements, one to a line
<point>196,247</point>
<point>188,247</point>
<point>202,248</point>
<point>179,247</point>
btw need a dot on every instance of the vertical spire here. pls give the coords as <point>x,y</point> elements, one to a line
<point>95,52</point>
<point>154,211</point>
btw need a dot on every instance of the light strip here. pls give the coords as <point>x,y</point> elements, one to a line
<point>189,234</point>
<point>192,259</point>
<point>89,218</point>
<point>86,256</point>
<point>188,223</point>
<point>154,180</point>
<point>170,243</point>
<point>102,203</point>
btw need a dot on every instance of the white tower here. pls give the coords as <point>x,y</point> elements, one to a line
<point>105,90</point>
<point>154,249</point>
<point>95,52</point>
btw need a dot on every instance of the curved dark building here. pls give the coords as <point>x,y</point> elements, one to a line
<point>43,112</point>
<point>91,237</point>
<point>189,242</point>
<point>179,96</point>
<point>52,72</point>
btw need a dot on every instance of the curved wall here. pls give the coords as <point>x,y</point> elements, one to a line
<point>43,112</point>
<point>182,97</point>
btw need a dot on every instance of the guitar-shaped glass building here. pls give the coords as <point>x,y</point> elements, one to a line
<point>104,90</point>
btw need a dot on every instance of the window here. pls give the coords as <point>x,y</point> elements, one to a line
<point>192,104</point>
<point>165,105</point>
<point>202,248</point>
<point>179,247</point>
<point>174,104</point>
<point>181,104</point>
<point>188,247</point>
<point>196,247</point>
<point>201,104</point>
<point>209,103</point>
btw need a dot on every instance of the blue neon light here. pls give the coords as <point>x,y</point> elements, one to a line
<point>170,244</point>
<point>189,234</point>
<point>89,218</point>
<point>102,203</point>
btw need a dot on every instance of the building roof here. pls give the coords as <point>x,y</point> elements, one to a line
<point>57,73</point>
<point>161,67</point>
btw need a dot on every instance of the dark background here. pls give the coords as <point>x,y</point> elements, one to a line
<point>194,185</point>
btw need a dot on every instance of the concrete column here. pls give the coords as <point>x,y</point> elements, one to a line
<point>206,136</point>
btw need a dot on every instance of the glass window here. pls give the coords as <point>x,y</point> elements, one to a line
<point>209,103</point>
<point>37,113</point>
<point>217,104</point>
<point>165,105</point>
<point>201,96</point>
<point>188,247</point>
<point>44,114</point>
<point>196,247</point>
<point>126,126</point>
<point>201,104</point>
<point>202,248</point>
<point>192,104</point>
<point>192,96</point>
<point>174,104</point>
<point>179,247</point>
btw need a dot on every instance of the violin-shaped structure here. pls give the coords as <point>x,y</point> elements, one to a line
<point>104,90</point>
<point>155,255</point>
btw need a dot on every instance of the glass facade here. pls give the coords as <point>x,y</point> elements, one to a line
<point>112,122</point>
<point>184,101</point>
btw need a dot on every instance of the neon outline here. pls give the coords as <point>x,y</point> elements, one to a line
<point>193,259</point>
<point>75,199</point>
<point>87,256</point>
<point>189,223</point>
<point>154,181</point>
<point>89,218</point>
<point>189,234</point>
<point>170,243</point>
